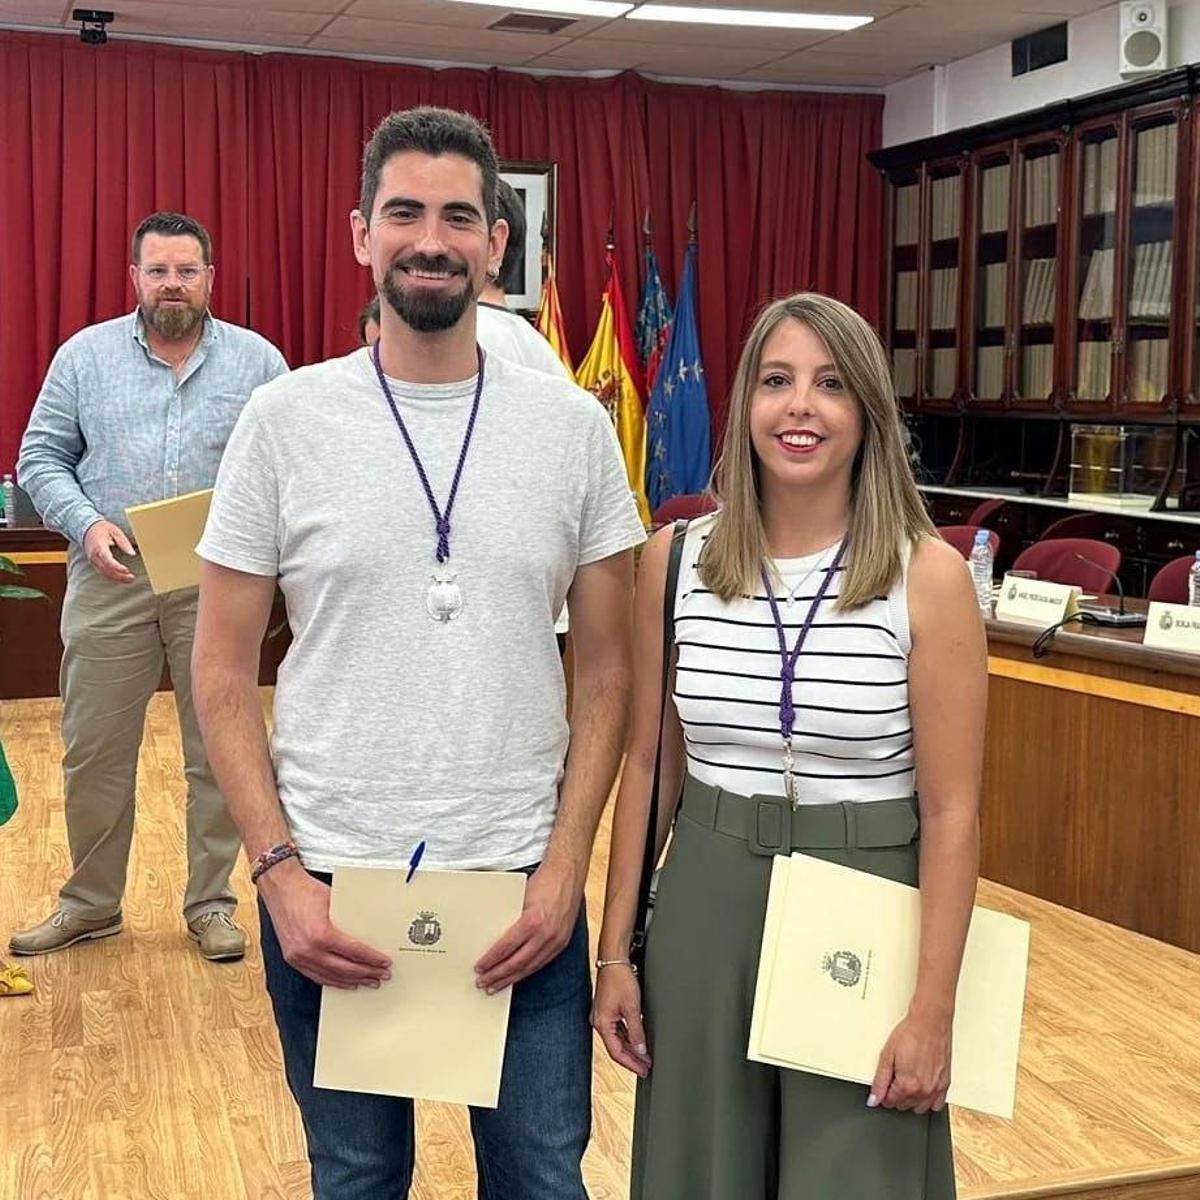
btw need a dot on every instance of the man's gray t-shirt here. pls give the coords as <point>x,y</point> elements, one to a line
<point>390,727</point>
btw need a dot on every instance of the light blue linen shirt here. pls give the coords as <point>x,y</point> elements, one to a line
<point>113,427</point>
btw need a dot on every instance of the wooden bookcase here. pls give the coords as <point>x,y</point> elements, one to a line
<point>1044,270</point>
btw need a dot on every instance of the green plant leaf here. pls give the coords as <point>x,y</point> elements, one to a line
<point>7,564</point>
<point>9,592</point>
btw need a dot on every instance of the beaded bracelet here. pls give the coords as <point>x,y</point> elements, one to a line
<point>271,858</point>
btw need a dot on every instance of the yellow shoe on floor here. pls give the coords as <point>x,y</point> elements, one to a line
<point>14,981</point>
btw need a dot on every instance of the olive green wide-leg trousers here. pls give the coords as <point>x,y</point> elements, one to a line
<point>710,1125</point>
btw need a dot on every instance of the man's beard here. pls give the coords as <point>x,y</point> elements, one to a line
<point>426,310</point>
<point>174,321</point>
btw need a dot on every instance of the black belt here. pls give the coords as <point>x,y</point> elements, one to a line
<point>770,825</point>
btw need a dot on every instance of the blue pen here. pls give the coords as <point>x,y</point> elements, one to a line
<point>414,861</point>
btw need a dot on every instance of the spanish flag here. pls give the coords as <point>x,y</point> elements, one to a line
<point>610,371</point>
<point>549,321</point>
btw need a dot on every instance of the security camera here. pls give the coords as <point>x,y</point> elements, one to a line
<point>93,22</point>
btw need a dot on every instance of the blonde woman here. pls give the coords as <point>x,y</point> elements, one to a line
<point>821,539</point>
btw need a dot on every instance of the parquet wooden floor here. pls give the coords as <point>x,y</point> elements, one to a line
<point>138,1072</point>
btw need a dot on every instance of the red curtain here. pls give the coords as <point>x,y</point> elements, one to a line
<point>92,142</point>
<point>265,150</point>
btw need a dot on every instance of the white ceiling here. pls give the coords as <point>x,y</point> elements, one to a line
<point>904,37</point>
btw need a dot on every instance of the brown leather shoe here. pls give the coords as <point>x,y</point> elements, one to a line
<point>220,939</point>
<point>60,930</point>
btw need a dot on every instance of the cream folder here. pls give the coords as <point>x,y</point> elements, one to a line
<point>837,971</point>
<point>167,533</point>
<point>428,1032</point>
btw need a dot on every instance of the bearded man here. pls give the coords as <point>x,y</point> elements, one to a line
<point>133,410</point>
<point>426,507</point>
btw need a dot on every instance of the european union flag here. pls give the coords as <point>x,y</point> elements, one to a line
<point>679,458</point>
<point>653,320</point>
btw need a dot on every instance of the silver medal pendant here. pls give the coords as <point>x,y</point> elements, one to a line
<point>789,776</point>
<point>445,599</point>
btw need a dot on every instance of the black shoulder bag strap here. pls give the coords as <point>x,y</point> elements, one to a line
<point>637,946</point>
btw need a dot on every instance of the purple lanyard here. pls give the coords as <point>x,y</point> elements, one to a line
<point>441,519</point>
<point>787,671</point>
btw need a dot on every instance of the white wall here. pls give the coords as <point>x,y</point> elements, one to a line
<point>982,87</point>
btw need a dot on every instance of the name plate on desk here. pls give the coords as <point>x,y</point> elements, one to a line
<point>1036,601</point>
<point>1173,627</point>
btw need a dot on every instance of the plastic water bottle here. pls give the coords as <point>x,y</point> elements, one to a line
<point>981,570</point>
<point>1194,583</point>
<point>8,501</point>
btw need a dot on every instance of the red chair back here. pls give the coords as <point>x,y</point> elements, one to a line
<point>1057,561</point>
<point>1077,525</point>
<point>1170,585</point>
<point>981,512</point>
<point>962,538</point>
<point>682,508</point>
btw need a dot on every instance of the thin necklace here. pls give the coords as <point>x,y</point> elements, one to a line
<point>792,593</point>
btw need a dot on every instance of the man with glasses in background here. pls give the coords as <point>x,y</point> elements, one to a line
<point>133,410</point>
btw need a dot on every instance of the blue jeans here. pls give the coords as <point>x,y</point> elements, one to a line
<point>361,1147</point>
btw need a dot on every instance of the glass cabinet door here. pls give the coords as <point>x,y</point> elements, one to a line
<point>990,308</point>
<point>1038,270</point>
<point>941,298</point>
<point>1095,302</point>
<point>906,229</point>
<point>1154,150</point>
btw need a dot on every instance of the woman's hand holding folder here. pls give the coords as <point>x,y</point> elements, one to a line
<point>914,1066</point>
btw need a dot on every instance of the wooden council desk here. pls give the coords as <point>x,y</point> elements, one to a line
<point>1091,785</point>
<point>30,646</point>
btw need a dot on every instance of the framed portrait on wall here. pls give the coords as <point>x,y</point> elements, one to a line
<point>535,184</point>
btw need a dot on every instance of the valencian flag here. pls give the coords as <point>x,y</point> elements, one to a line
<point>549,321</point>
<point>653,319</point>
<point>678,454</point>
<point>610,372</point>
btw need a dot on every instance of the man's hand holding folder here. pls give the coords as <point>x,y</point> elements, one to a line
<point>299,907</point>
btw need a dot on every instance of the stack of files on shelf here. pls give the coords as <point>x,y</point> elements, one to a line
<point>1148,369</point>
<point>1155,176</point>
<point>904,366</point>
<point>989,361</point>
<point>1096,298</point>
<point>1037,372</point>
<point>995,283</point>
<point>945,363</point>
<point>993,210</point>
<point>1041,190</point>
<point>1095,358</point>
<point>907,215</point>
<point>906,300</point>
<point>1100,177</point>
<point>1038,305</point>
<point>946,194</point>
<point>944,284</point>
<point>1150,292</point>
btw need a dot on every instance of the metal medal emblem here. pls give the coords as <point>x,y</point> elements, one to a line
<point>444,599</point>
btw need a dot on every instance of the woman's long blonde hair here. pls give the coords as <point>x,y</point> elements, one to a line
<point>887,515</point>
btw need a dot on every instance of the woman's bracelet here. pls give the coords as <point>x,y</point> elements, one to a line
<point>272,858</point>
<point>601,963</point>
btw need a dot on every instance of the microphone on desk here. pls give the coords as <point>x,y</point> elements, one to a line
<point>1106,616</point>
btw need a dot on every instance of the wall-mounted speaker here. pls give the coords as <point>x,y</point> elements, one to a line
<point>1143,47</point>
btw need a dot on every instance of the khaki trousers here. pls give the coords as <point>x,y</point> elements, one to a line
<point>114,638</point>
<point>710,1125</point>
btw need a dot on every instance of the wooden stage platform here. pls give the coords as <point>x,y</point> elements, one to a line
<point>138,1072</point>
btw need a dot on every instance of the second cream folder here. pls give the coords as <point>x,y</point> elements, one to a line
<point>837,973</point>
